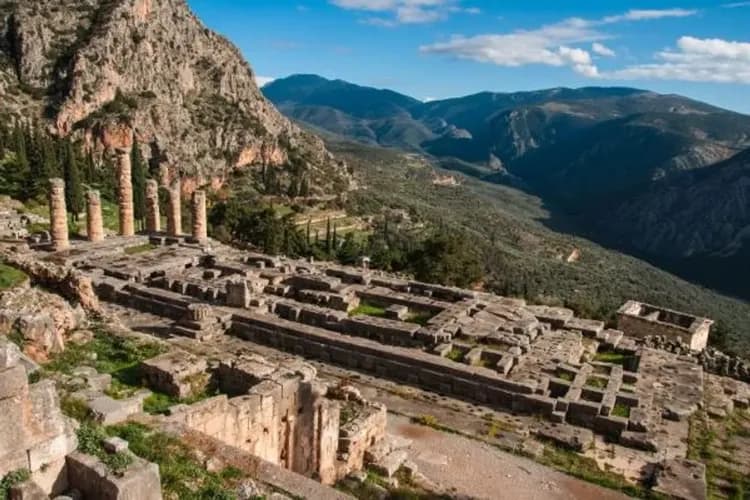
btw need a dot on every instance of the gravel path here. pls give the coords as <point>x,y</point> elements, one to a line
<point>478,470</point>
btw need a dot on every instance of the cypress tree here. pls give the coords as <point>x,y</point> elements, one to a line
<point>335,238</point>
<point>22,171</point>
<point>73,185</point>
<point>328,235</point>
<point>138,178</point>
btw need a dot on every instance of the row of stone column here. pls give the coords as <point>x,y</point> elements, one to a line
<point>94,221</point>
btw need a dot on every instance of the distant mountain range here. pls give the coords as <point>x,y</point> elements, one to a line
<point>662,176</point>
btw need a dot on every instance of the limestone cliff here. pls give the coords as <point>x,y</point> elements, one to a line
<point>108,70</point>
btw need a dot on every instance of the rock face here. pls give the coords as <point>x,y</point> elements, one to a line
<point>42,319</point>
<point>110,71</point>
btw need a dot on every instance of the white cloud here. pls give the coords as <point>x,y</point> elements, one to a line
<point>602,50</point>
<point>648,14</point>
<point>262,81</point>
<point>393,12</point>
<point>735,5</point>
<point>551,45</point>
<point>697,60</point>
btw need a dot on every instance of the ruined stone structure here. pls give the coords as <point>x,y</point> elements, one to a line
<point>200,223</point>
<point>125,193</point>
<point>94,222</point>
<point>280,414</point>
<point>583,380</point>
<point>153,216</point>
<point>174,209</point>
<point>34,434</point>
<point>58,215</point>
<point>644,320</point>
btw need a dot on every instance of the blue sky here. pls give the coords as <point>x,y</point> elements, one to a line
<point>444,48</point>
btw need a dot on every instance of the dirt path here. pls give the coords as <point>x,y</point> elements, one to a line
<point>478,470</point>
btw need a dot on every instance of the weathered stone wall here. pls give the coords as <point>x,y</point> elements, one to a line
<point>642,320</point>
<point>34,434</point>
<point>285,422</point>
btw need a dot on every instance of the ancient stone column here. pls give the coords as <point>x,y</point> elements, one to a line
<point>125,193</point>
<point>200,229</point>
<point>58,215</point>
<point>94,223</point>
<point>153,217</point>
<point>174,212</point>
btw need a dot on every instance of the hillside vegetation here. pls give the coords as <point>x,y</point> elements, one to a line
<point>520,255</point>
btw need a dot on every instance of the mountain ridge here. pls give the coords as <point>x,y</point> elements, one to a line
<point>595,153</point>
<point>109,72</point>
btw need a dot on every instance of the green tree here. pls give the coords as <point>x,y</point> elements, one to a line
<point>328,236</point>
<point>73,184</point>
<point>138,175</point>
<point>448,259</point>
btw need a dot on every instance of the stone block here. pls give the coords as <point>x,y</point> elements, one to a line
<point>9,353</point>
<point>28,490</point>
<point>139,482</point>
<point>388,465</point>
<point>639,440</point>
<point>110,411</point>
<point>567,436</point>
<point>115,445</point>
<point>680,479</point>
<point>13,381</point>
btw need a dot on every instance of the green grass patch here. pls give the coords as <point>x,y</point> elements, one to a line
<point>147,247</point>
<point>419,317</point>
<point>182,473</point>
<point>427,421</point>
<point>10,277</point>
<point>596,382</point>
<point>90,441</point>
<point>567,376</point>
<point>456,355</point>
<point>615,358</point>
<point>366,308</point>
<point>11,479</point>
<point>621,410</point>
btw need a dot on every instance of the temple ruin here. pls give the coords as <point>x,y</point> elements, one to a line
<point>579,380</point>
<point>643,320</point>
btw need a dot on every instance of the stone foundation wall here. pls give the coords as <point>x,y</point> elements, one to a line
<point>34,434</point>
<point>404,365</point>
<point>283,422</point>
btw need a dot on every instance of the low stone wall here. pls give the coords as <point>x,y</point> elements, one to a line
<point>405,365</point>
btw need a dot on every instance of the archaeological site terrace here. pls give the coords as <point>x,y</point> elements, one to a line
<point>568,380</point>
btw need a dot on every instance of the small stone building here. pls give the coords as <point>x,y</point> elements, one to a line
<point>640,320</point>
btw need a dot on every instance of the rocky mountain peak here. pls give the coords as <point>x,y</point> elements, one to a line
<point>113,71</point>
